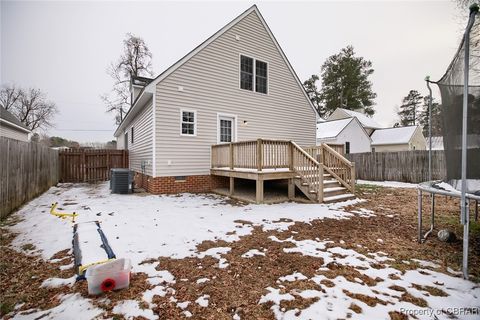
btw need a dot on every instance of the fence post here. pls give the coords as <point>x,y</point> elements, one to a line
<point>259,154</point>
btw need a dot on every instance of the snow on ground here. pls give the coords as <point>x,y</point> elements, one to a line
<point>334,301</point>
<point>389,184</point>
<point>141,227</point>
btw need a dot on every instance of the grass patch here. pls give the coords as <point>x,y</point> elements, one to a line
<point>28,247</point>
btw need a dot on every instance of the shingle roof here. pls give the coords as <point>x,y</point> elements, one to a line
<point>400,135</point>
<point>10,118</point>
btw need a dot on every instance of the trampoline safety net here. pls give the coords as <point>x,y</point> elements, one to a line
<point>451,90</point>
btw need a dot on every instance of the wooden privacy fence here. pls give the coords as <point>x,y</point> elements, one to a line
<point>404,166</point>
<point>90,165</point>
<point>26,170</point>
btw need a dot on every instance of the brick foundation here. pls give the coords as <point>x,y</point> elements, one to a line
<point>193,184</point>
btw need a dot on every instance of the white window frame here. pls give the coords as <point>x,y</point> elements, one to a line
<point>235,124</point>
<point>182,110</point>
<point>254,74</point>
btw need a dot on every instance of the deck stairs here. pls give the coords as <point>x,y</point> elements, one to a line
<point>337,180</point>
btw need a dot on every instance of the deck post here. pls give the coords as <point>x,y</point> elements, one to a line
<point>353,177</point>
<point>231,156</point>
<point>232,185</point>
<point>259,190</point>
<point>320,184</point>
<point>290,156</point>
<point>291,189</point>
<point>259,154</point>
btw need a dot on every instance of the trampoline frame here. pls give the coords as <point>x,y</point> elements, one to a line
<point>428,186</point>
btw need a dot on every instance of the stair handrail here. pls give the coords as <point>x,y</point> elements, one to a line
<point>316,173</point>
<point>349,167</point>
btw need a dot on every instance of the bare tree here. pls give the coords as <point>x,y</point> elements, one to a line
<point>136,60</point>
<point>9,96</point>
<point>34,110</point>
<point>30,106</point>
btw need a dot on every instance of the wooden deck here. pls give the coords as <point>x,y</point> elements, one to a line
<point>322,174</point>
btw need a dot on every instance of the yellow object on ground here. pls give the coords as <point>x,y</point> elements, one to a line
<point>60,214</point>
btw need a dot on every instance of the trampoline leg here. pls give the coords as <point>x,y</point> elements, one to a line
<point>465,244</point>
<point>432,197</point>
<point>476,210</point>
<point>419,216</point>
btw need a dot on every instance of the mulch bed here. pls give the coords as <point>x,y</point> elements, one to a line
<point>238,288</point>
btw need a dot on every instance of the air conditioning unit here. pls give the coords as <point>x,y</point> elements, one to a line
<point>121,180</point>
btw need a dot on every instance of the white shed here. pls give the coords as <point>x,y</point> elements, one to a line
<point>348,132</point>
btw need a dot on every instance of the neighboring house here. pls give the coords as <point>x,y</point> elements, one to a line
<point>237,85</point>
<point>348,132</point>
<point>398,139</point>
<point>368,123</point>
<point>437,143</point>
<point>11,127</point>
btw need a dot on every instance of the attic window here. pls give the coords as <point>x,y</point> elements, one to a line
<point>253,74</point>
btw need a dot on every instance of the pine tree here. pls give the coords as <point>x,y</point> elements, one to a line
<point>436,117</point>
<point>345,83</point>
<point>410,108</point>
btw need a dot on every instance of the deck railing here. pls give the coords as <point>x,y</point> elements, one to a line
<point>310,163</point>
<point>316,151</point>
<point>338,166</point>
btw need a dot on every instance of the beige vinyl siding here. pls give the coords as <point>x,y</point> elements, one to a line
<point>12,132</point>
<point>142,147</point>
<point>211,85</point>
<point>417,140</point>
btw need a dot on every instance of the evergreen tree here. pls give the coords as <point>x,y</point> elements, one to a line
<point>314,94</point>
<point>410,108</point>
<point>436,117</point>
<point>345,83</point>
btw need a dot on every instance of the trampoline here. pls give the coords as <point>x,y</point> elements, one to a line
<point>460,113</point>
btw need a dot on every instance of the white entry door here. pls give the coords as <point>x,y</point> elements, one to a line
<point>226,129</point>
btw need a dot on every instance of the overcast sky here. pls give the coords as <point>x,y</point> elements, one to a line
<point>64,48</point>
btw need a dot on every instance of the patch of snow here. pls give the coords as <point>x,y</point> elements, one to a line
<point>67,266</point>
<point>71,305</point>
<point>202,301</point>
<point>131,309</point>
<point>202,280</point>
<point>389,184</point>
<point>156,291</point>
<point>293,277</point>
<point>58,282</point>
<point>253,252</point>
<point>183,305</point>
<point>187,314</point>
<point>275,296</point>
<point>424,263</point>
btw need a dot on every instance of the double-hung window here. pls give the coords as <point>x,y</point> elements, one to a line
<point>253,74</point>
<point>188,122</point>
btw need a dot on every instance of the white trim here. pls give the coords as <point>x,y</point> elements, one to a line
<point>254,74</point>
<point>16,126</point>
<point>154,130</point>
<point>182,110</point>
<point>235,125</point>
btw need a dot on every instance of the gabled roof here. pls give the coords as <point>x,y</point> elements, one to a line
<point>366,122</point>
<point>7,117</point>
<point>399,135</point>
<point>151,86</point>
<point>331,129</point>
